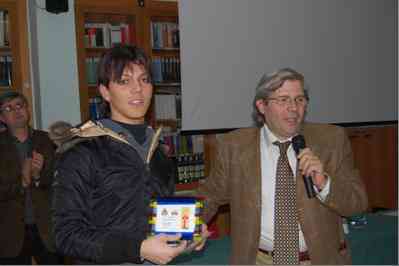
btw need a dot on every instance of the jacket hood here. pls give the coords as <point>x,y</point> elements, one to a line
<point>65,136</point>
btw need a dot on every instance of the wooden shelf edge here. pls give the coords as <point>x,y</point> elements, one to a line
<point>187,186</point>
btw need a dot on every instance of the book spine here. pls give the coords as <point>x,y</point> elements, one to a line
<point>2,28</point>
<point>6,28</point>
<point>9,69</point>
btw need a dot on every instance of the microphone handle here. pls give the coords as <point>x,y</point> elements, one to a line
<point>307,180</point>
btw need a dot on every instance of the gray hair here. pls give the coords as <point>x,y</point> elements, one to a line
<point>268,84</point>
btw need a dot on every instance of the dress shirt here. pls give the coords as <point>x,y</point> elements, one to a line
<point>269,156</point>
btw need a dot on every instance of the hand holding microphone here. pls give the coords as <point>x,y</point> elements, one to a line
<point>310,166</point>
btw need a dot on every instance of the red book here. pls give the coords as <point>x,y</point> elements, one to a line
<point>132,32</point>
<point>92,37</point>
<point>124,34</point>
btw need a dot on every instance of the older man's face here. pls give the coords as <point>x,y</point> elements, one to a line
<point>15,114</point>
<point>284,110</point>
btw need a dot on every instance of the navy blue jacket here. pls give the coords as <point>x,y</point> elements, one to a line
<point>102,189</point>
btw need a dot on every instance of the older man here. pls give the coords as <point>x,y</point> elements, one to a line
<point>258,173</point>
<point>25,177</point>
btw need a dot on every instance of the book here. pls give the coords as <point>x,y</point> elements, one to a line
<point>90,76</point>
<point>3,72</point>
<point>97,35</point>
<point>9,69</point>
<point>2,28</point>
<point>115,33</point>
<point>95,108</point>
<point>156,69</point>
<point>6,28</point>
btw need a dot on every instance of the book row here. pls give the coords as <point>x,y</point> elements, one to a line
<point>165,69</point>
<point>190,168</point>
<point>5,70</point>
<point>167,107</point>
<point>106,35</point>
<point>164,35</point>
<point>95,108</point>
<point>178,145</point>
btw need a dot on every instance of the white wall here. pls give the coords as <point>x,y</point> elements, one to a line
<point>54,64</point>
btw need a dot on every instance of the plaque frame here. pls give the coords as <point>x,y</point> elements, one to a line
<point>173,215</point>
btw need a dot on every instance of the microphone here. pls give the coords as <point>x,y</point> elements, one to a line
<point>298,143</point>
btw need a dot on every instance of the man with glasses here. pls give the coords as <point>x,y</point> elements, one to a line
<point>258,173</point>
<point>25,178</point>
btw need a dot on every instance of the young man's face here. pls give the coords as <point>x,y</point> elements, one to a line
<point>129,97</point>
<point>15,114</point>
<point>284,118</point>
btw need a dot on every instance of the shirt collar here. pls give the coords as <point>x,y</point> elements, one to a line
<point>16,140</point>
<point>270,137</point>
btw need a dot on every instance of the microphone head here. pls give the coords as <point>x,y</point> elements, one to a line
<point>298,143</point>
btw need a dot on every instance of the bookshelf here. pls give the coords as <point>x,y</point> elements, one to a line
<point>163,5</point>
<point>162,37</point>
<point>99,26</point>
<point>6,52</point>
<point>14,50</point>
<point>9,76</point>
<point>163,43</point>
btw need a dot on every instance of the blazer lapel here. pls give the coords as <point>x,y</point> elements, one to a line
<point>250,163</point>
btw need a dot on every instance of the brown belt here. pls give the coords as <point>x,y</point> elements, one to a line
<point>303,256</point>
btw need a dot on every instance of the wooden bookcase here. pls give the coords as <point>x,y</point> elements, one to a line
<point>141,17</point>
<point>14,53</point>
<point>98,24</point>
<point>158,14</point>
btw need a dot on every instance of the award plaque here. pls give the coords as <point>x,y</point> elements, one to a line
<point>176,215</point>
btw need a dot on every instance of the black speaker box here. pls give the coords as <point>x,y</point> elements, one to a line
<point>57,6</point>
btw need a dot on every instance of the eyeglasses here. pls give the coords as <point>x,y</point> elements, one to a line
<point>285,101</point>
<point>16,107</point>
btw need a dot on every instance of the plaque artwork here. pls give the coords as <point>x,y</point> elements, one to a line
<point>177,215</point>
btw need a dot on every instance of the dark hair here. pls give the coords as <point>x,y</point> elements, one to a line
<point>112,64</point>
<point>11,95</point>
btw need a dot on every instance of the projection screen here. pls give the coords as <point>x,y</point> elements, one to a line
<point>347,50</point>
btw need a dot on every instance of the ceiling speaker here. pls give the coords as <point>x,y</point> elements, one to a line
<point>57,6</point>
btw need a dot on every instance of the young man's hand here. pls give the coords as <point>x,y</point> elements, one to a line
<point>157,250</point>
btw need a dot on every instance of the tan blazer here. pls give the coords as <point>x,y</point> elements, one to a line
<point>235,178</point>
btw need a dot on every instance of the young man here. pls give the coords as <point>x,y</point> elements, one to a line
<point>106,178</point>
<point>249,168</point>
<point>25,178</point>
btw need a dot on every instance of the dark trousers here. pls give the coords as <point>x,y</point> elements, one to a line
<point>33,247</point>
